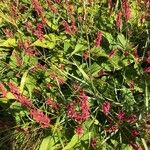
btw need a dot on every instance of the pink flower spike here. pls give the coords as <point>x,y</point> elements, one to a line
<point>13,88</point>
<point>93,142</point>
<point>119,20</point>
<point>25,101</point>
<point>84,113</point>
<point>79,130</point>
<point>148,59</point>
<point>86,55</point>
<point>2,88</point>
<point>121,116</point>
<point>69,29</point>
<point>135,133</point>
<point>112,53</point>
<point>127,10</point>
<point>37,6</point>
<point>112,128</point>
<point>135,146</point>
<point>147,70</point>
<point>52,103</point>
<point>52,7</point>
<point>99,38</point>
<point>26,47</point>
<point>40,118</point>
<point>131,119</point>
<point>38,32</point>
<point>106,107</point>
<point>8,33</point>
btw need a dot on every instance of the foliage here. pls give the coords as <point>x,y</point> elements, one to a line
<point>74,74</point>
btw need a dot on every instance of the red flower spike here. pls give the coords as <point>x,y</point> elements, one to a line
<point>13,10</point>
<point>131,119</point>
<point>42,67</point>
<point>73,28</point>
<point>126,53</point>
<point>71,110</point>
<point>127,10</point>
<point>147,70</point>
<point>58,1</point>
<point>60,80</point>
<point>135,146</point>
<point>49,85</point>
<point>142,19</point>
<point>93,142</point>
<point>79,130</point>
<point>148,58</point>
<point>8,33</point>
<point>13,88</point>
<point>69,29</point>
<point>98,39</point>
<point>102,73</point>
<point>106,107</point>
<point>70,9</point>
<point>121,116</point>
<point>53,104</point>
<point>27,48</point>
<point>52,7</point>
<point>86,55</point>
<point>112,53</point>
<point>38,32</point>
<point>40,118</point>
<point>135,133</point>
<point>2,89</point>
<point>111,129</point>
<point>28,26</point>
<point>119,20</point>
<point>18,60</point>
<point>24,101</point>
<point>84,106</point>
<point>37,6</point>
<point>84,113</point>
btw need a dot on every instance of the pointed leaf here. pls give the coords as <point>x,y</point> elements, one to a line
<point>72,143</point>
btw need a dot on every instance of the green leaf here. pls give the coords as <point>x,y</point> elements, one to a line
<point>23,80</point>
<point>72,143</point>
<point>66,45</point>
<point>49,41</point>
<point>7,18</point>
<point>94,69</point>
<point>45,145</point>
<point>82,72</point>
<point>116,61</point>
<point>8,43</point>
<point>122,40</point>
<point>78,48</point>
<point>53,23</point>
<point>108,36</point>
<point>30,84</point>
<point>98,52</point>
<point>10,95</point>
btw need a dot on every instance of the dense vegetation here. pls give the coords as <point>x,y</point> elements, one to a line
<point>74,74</point>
